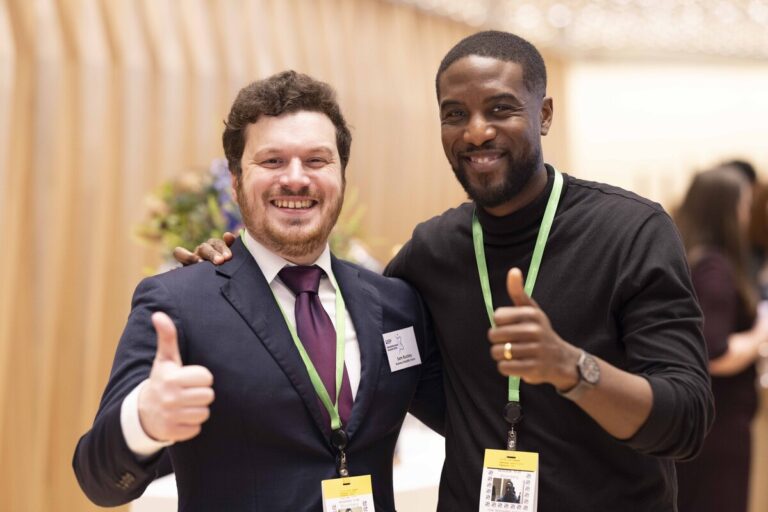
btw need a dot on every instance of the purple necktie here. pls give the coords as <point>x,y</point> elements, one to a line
<point>316,332</point>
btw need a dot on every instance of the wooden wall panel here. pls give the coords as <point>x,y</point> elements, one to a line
<point>8,205</point>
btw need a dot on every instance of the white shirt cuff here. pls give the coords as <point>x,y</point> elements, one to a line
<point>137,440</point>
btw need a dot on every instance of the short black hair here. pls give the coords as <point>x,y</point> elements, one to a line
<point>745,168</point>
<point>282,93</point>
<point>501,46</point>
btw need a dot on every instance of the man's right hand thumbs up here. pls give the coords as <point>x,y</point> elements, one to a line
<point>174,401</point>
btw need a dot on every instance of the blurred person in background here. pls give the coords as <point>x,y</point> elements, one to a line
<point>757,231</point>
<point>714,221</point>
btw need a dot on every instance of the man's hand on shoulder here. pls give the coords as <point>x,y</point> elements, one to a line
<point>215,250</point>
<point>174,402</point>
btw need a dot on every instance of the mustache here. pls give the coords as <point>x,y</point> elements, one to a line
<point>471,148</point>
<point>289,191</point>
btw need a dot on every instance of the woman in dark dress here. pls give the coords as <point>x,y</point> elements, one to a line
<point>713,221</point>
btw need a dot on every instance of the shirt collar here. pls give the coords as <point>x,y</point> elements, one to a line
<point>271,263</point>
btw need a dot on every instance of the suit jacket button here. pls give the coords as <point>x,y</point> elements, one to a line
<point>126,479</point>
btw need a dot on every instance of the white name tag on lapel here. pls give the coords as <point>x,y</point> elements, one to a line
<point>402,350</point>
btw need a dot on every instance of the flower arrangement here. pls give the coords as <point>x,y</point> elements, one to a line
<point>190,209</point>
<point>197,205</point>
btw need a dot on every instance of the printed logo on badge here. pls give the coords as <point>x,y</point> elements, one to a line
<point>401,348</point>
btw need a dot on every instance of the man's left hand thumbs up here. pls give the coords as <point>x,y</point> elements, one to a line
<point>516,289</point>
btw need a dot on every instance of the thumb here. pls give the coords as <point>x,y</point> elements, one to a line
<point>167,344</point>
<point>516,290</point>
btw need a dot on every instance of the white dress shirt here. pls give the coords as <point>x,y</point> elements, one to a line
<point>270,263</point>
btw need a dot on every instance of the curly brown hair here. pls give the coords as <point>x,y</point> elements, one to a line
<point>278,94</point>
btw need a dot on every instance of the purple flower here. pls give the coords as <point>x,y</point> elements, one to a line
<point>222,184</point>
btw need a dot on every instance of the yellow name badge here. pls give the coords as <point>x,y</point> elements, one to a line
<point>510,481</point>
<point>351,494</point>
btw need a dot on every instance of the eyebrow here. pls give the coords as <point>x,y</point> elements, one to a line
<point>496,97</point>
<point>449,103</point>
<point>504,96</point>
<point>320,148</point>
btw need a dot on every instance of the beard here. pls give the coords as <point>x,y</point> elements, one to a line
<point>297,239</point>
<point>515,177</point>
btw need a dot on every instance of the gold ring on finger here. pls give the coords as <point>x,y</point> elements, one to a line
<point>508,351</point>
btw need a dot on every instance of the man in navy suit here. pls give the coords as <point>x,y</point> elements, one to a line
<point>209,372</point>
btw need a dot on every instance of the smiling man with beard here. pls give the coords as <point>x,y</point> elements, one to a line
<point>602,340</point>
<point>294,342</point>
<point>607,371</point>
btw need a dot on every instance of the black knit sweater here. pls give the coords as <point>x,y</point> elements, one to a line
<point>613,281</point>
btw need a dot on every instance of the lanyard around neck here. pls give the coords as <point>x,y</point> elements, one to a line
<point>513,394</point>
<point>317,382</point>
<point>314,377</point>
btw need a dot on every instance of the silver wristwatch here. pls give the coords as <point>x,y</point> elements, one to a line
<point>589,376</point>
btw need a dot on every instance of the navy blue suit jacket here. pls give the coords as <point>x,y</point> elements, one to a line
<point>265,445</point>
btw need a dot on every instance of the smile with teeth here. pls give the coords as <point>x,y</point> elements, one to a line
<point>294,205</point>
<point>483,158</point>
<point>484,161</point>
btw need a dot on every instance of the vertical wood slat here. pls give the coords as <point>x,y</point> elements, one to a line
<point>235,54</point>
<point>258,30</point>
<point>9,205</point>
<point>203,67</point>
<point>135,167</point>
<point>759,476</point>
<point>95,226</point>
<point>169,122</point>
<point>55,184</point>
<point>7,180</point>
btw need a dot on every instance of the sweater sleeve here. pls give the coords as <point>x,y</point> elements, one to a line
<point>398,265</point>
<point>660,323</point>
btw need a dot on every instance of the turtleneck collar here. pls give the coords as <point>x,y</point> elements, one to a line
<point>503,230</point>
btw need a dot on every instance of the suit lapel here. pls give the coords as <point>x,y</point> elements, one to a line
<point>249,293</point>
<point>364,305</point>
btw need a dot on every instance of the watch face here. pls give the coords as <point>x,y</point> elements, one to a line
<point>589,370</point>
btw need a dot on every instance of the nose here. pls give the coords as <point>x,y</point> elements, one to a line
<point>478,131</point>
<point>294,177</point>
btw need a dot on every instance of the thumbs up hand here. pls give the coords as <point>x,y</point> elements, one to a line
<point>523,332</point>
<point>173,404</point>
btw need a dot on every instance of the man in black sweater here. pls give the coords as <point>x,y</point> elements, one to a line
<point>614,381</point>
<point>609,349</point>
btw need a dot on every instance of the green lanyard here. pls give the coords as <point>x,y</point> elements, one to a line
<point>533,271</point>
<point>317,382</point>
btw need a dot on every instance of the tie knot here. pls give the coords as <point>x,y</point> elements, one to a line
<point>301,279</point>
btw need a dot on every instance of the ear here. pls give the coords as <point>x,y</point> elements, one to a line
<point>547,109</point>
<point>235,185</point>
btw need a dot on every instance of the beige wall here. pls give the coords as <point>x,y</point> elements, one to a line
<point>647,126</point>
